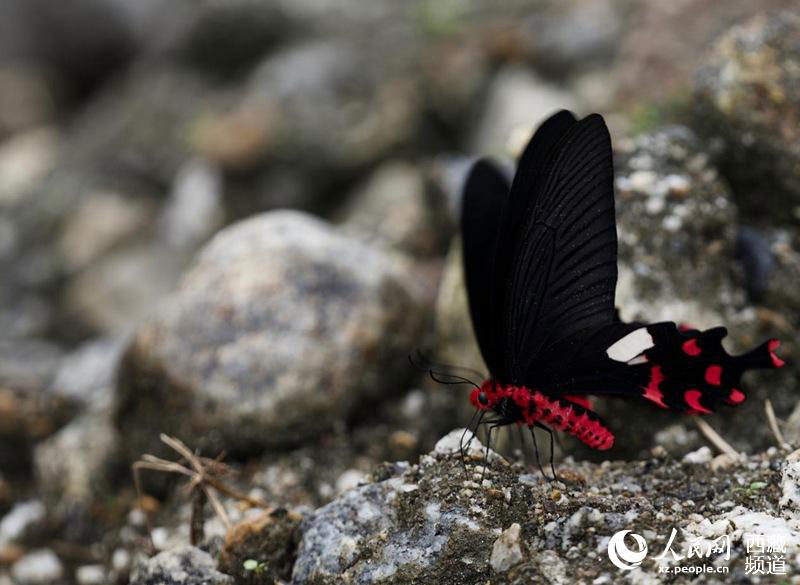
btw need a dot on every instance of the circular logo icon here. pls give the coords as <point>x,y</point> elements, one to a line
<point>621,555</point>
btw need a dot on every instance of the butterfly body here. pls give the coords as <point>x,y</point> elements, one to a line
<point>540,262</point>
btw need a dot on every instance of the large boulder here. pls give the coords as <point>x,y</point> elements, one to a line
<point>748,95</point>
<point>279,330</point>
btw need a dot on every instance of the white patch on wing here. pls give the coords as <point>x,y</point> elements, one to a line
<point>630,346</point>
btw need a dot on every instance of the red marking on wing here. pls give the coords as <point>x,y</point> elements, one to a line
<point>582,400</point>
<point>653,392</point>
<point>776,361</point>
<point>692,398</point>
<point>736,396</point>
<point>714,375</point>
<point>691,348</point>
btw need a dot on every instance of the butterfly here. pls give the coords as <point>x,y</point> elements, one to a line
<point>540,267</point>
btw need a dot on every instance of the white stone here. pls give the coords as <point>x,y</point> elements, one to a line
<point>702,455</point>
<point>19,519</point>
<point>507,550</point>
<point>90,575</point>
<point>38,567</point>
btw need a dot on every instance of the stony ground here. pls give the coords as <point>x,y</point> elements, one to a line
<point>236,226</point>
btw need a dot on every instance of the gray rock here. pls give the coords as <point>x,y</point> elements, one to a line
<point>120,290</point>
<point>516,103</point>
<point>179,566</point>
<point>676,225</point>
<point>410,549</point>
<point>396,209</point>
<point>747,96</point>
<point>101,221</point>
<point>28,412</point>
<point>138,131</point>
<point>73,466</point>
<point>225,38</point>
<point>281,327</point>
<point>38,567</point>
<point>433,524</point>
<point>316,123</point>
<point>87,374</point>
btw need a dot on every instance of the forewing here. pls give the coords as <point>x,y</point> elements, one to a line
<point>531,169</point>
<point>485,196</point>
<point>563,268</point>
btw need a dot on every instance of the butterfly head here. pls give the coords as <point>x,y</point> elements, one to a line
<point>486,396</point>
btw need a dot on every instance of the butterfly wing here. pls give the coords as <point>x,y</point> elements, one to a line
<point>561,249</point>
<point>491,216</point>
<point>683,370</point>
<point>485,196</point>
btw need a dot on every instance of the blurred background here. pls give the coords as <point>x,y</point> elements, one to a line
<point>149,285</point>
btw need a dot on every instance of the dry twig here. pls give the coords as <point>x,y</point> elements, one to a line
<point>773,424</point>
<point>714,438</point>
<point>204,482</point>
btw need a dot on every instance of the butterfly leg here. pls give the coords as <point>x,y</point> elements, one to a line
<point>522,445</point>
<point>489,430</point>
<point>461,448</point>
<point>552,449</point>
<point>536,450</point>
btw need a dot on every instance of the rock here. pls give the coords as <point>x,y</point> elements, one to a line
<point>397,210</point>
<point>26,99</point>
<point>184,565</point>
<point>17,524</point>
<point>119,291</point>
<point>316,123</point>
<point>87,374</point>
<point>654,63</point>
<point>25,158</point>
<point>90,575</point>
<point>278,331</point>
<point>28,412</point>
<point>74,466</point>
<point>269,540</point>
<point>66,41</point>
<point>194,210</point>
<point>137,132</point>
<point>431,524</point>
<point>573,36</point>
<point>456,343</point>
<point>747,95</point>
<point>506,551</point>
<point>38,567</point>
<point>517,102</point>
<point>101,221</point>
<point>677,242</point>
<point>702,456</point>
<point>226,38</point>
<point>673,211</point>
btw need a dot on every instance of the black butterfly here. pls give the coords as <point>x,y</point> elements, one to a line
<point>540,261</point>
